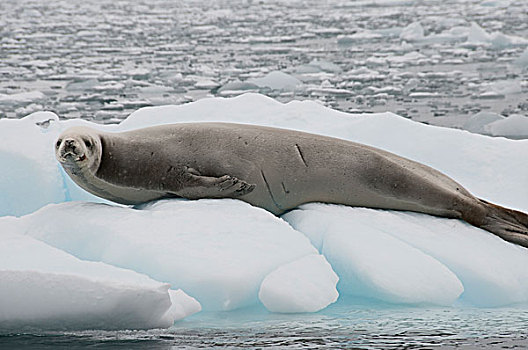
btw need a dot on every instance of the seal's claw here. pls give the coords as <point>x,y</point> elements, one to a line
<point>226,182</point>
<point>244,189</point>
<point>232,184</point>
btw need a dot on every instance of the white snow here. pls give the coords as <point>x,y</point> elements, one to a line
<point>304,285</point>
<point>222,252</point>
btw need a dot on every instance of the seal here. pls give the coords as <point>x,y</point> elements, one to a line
<point>275,169</point>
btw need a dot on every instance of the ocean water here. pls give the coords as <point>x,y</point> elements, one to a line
<point>340,326</point>
<point>101,60</point>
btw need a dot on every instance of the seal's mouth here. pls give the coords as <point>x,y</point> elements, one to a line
<point>71,157</point>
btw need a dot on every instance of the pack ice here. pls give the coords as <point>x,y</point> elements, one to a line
<point>71,260</point>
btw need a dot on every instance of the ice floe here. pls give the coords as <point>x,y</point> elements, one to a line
<point>227,254</point>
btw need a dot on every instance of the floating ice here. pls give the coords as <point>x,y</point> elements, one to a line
<point>317,66</point>
<point>470,36</point>
<point>478,36</point>
<point>237,88</point>
<point>277,81</point>
<point>513,127</point>
<point>222,252</point>
<point>413,32</point>
<point>478,122</point>
<point>522,60</point>
<point>45,288</point>
<point>21,97</point>
<point>304,285</point>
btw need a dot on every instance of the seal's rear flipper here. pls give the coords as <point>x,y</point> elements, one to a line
<point>511,225</point>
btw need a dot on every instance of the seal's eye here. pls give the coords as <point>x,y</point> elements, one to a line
<point>59,141</point>
<point>88,143</point>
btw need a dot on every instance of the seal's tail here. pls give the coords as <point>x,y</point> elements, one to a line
<point>511,225</point>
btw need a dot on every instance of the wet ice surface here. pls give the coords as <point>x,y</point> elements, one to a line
<point>102,60</point>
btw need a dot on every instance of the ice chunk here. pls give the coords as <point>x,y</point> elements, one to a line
<point>238,86</point>
<point>413,32</point>
<point>477,123</point>
<point>317,66</point>
<point>218,251</point>
<point>513,127</point>
<point>45,288</point>
<point>277,81</point>
<point>182,305</point>
<point>370,262</point>
<point>21,97</point>
<point>304,285</point>
<point>522,60</point>
<point>477,35</point>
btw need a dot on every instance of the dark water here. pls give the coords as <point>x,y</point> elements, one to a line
<point>341,326</point>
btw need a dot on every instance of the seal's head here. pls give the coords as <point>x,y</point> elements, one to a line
<point>79,147</point>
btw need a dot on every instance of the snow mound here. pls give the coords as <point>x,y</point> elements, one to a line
<point>217,251</point>
<point>45,288</point>
<point>304,285</point>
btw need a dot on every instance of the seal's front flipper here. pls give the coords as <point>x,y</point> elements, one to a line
<point>198,186</point>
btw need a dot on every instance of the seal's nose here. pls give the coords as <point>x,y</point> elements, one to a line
<point>69,144</point>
